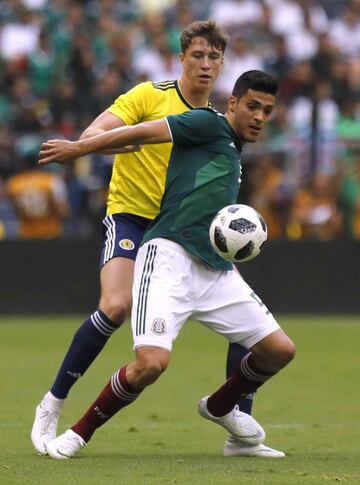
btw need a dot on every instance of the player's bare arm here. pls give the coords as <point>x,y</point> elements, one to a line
<point>141,134</point>
<point>104,122</point>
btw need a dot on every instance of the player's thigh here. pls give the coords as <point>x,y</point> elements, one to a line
<point>116,279</point>
<point>161,301</point>
<point>235,311</point>
<point>122,235</point>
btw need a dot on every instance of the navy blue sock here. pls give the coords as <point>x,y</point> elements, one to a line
<point>87,343</point>
<point>235,353</point>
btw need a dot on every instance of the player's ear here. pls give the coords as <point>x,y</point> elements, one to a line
<point>182,57</point>
<point>232,103</point>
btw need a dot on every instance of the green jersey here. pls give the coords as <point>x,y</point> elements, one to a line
<point>203,176</point>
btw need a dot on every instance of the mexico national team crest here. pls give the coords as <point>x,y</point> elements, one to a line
<point>126,244</point>
<point>158,326</point>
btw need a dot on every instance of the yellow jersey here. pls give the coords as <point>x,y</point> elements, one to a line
<point>138,178</point>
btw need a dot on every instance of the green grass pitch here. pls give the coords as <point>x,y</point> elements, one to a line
<point>310,410</point>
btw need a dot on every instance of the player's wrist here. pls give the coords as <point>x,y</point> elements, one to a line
<point>81,147</point>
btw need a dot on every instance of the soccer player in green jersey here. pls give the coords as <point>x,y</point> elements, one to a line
<point>135,192</point>
<point>177,273</point>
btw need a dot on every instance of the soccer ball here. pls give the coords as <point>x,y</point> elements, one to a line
<point>237,233</point>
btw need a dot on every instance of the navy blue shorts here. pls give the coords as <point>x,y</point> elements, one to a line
<point>122,235</point>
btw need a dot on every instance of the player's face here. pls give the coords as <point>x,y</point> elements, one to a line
<point>201,64</point>
<point>250,114</point>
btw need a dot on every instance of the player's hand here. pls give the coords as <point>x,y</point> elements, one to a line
<point>57,151</point>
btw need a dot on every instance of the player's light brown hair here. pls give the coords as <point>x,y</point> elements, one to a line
<point>208,29</point>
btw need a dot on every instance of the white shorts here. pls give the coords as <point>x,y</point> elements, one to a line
<point>170,286</point>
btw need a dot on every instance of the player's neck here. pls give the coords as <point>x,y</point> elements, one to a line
<point>230,117</point>
<point>198,99</point>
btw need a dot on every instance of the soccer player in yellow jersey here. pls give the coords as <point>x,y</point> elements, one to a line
<point>136,189</point>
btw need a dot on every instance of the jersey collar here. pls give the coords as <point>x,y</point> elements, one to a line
<point>183,99</point>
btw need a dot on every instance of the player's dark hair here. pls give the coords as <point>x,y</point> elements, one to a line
<point>208,29</point>
<point>255,80</point>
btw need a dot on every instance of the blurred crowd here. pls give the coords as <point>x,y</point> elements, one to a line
<point>62,62</point>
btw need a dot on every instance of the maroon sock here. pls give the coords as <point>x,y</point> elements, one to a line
<point>246,380</point>
<point>117,394</point>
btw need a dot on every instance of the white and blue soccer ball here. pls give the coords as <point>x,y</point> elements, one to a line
<point>237,233</point>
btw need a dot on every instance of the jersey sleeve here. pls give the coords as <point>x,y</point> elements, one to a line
<point>194,127</point>
<point>133,105</point>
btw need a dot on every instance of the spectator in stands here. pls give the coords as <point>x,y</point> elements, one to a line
<point>20,35</point>
<point>40,201</point>
<point>350,196</point>
<point>239,57</point>
<point>326,55</point>
<point>236,13</point>
<point>278,62</point>
<point>345,31</point>
<point>42,67</point>
<point>314,212</point>
<point>302,44</point>
<point>267,193</point>
<point>348,125</point>
<point>313,122</point>
<point>7,149</point>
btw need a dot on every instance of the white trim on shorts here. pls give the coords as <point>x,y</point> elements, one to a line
<point>110,238</point>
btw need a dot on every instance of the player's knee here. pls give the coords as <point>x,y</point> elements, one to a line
<point>151,368</point>
<point>154,370</point>
<point>276,354</point>
<point>285,353</point>
<point>116,308</point>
